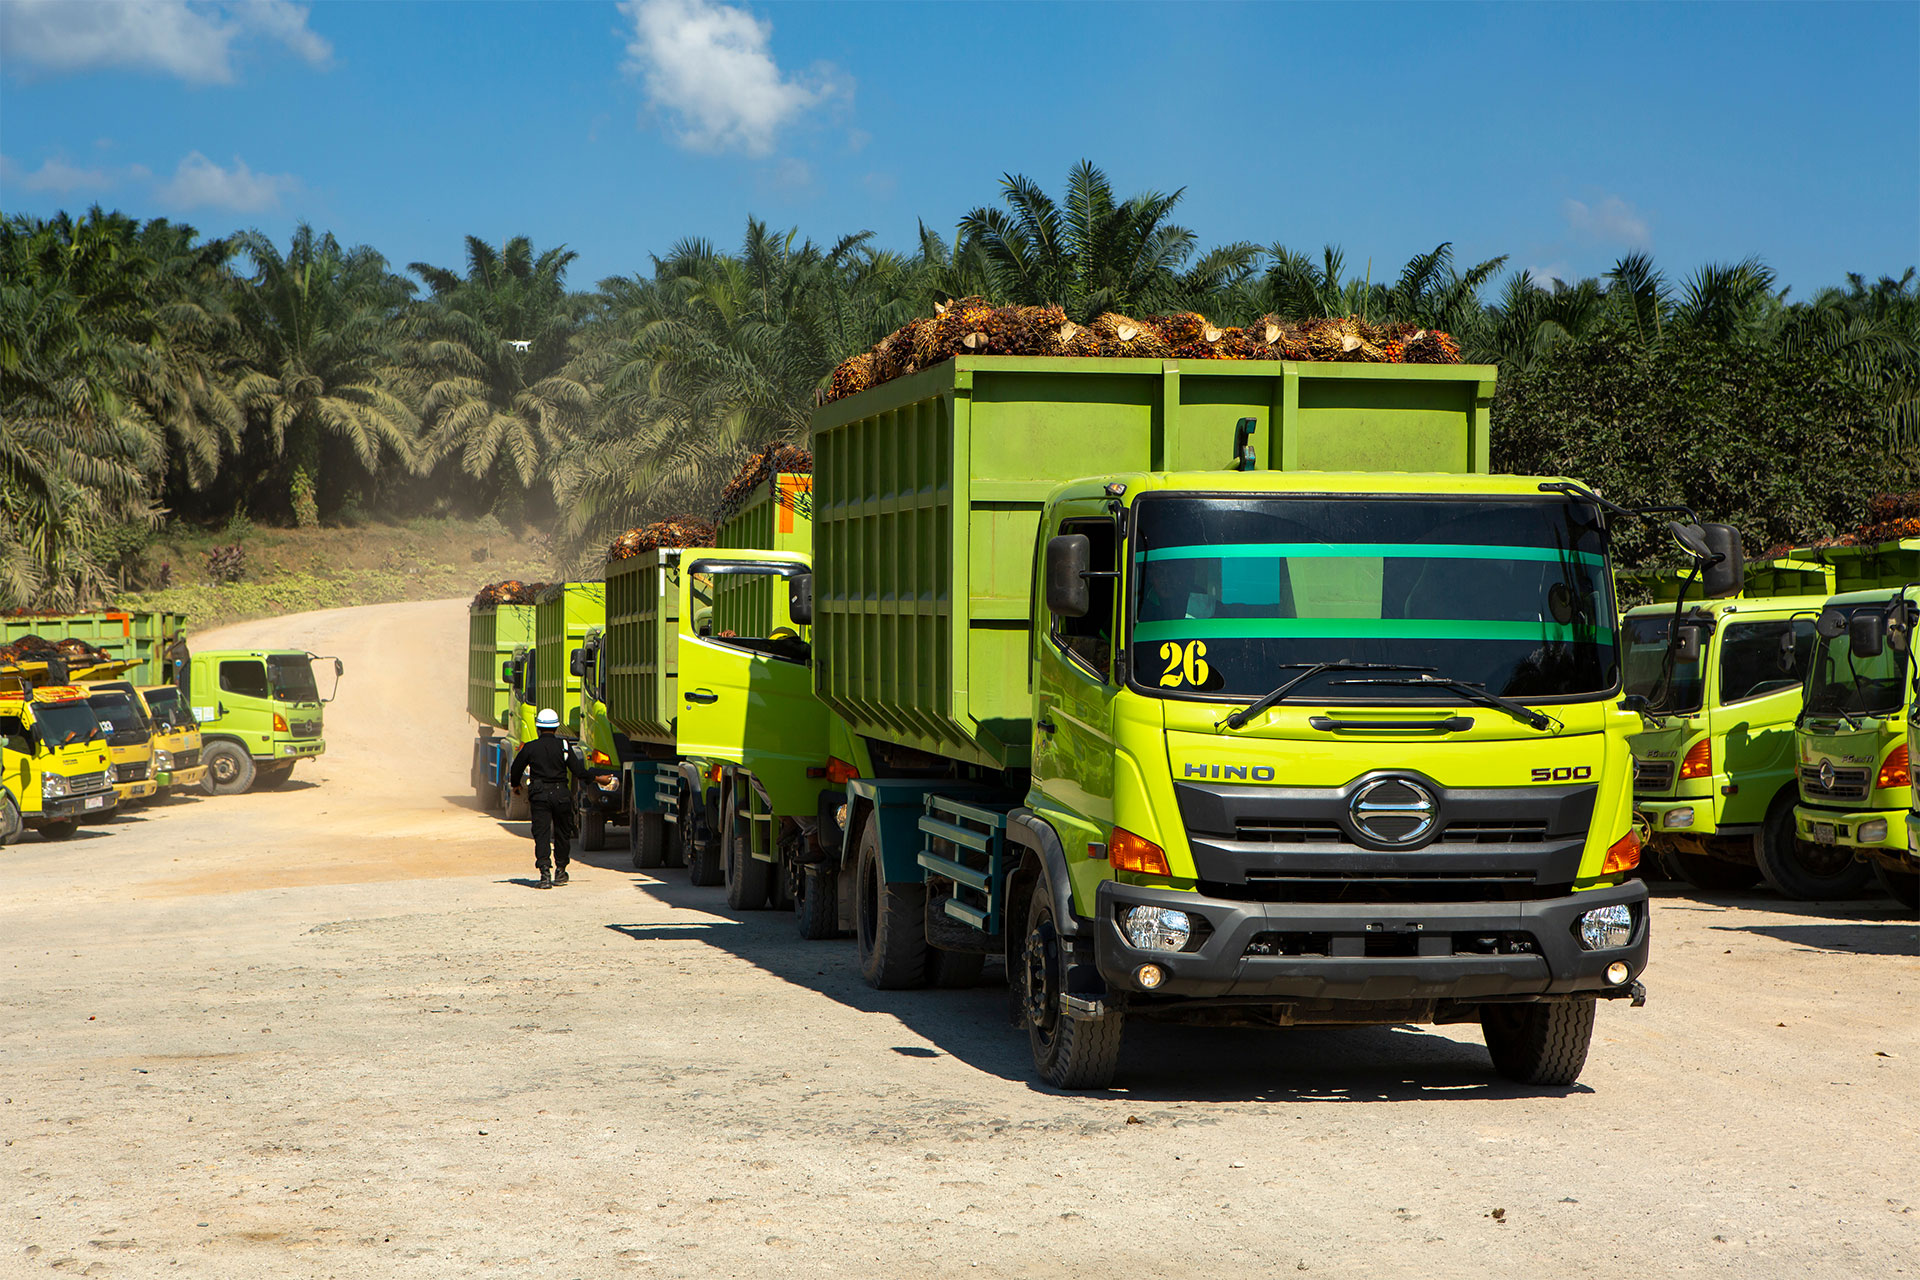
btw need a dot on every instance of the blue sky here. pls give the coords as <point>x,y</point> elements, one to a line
<point>1563,135</point>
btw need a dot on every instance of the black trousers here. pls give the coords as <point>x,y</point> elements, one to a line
<point>553,827</point>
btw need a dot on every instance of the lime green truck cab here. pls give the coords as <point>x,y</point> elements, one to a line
<point>499,637</point>
<point>1855,765</point>
<point>55,770</point>
<point>749,711</point>
<point>259,712</point>
<point>1225,690</point>
<point>565,615</point>
<point>1714,771</point>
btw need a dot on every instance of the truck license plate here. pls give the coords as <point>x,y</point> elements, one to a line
<point>95,802</point>
<point>1823,833</point>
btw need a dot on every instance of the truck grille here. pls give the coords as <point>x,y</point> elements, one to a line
<point>135,772</point>
<point>1848,784</point>
<point>186,759</point>
<point>304,728</point>
<point>1652,777</point>
<point>82,783</point>
<point>1310,832</point>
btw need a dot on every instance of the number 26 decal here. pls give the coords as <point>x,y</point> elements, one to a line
<point>1186,664</point>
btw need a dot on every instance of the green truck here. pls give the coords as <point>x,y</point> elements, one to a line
<point>260,712</point>
<point>147,639</point>
<point>1288,714</point>
<point>499,637</point>
<point>1714,778</point>
<point>566,616</point>
<point>1856,771</point>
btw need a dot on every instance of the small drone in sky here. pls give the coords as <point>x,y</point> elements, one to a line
<point>522,346</point>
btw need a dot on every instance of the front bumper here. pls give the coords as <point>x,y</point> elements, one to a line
<point>181,779</point>
<point>296,748</point>
<point>135,790</point>
<point>1423,945</point>
<point>1684,816</point>
<point>592,799</point>
<point>91,805</point>
<point>1843,825</point>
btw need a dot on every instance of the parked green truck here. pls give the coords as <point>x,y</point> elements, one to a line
<point>1290,713</point>
<point>260,712</point>
<point>1855,766</point>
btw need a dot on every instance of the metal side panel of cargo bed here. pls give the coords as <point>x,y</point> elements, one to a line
<point>125,635</point>
<point>493,632</point>
<point>560,621</point>
<point>928,490</point>
<point>642,644</point>
<point>777,516</point>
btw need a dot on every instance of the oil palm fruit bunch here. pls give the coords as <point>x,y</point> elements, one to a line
<point>1431,346</point>
<point>1037,331</point>
<point>772,460</point>
<point>1118,335</point>
<point>960,327</point>
<point>850,377</point>
<point>1191,336</point>
<point>681,531</point>
<point>1890,516</point>
<point>1342,338</point>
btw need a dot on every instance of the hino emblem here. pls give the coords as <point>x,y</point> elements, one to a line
<point>1826,775</point>
<point>1393,811</point>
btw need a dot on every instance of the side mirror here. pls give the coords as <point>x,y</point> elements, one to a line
<point>1691,637</point>
<point>506,673</point>
<point>1726,575</point>
<point>339,668</point>
<point>577,663</point>
<point>1692,539</point>
<point>1830,625</point>
<point>1867,633</point>
<point>1069,556</point>
<point>800,599</point>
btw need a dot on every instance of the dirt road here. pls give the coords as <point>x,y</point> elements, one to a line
<point>326,1031</point>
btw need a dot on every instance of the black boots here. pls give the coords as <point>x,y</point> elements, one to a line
<point>560,877</point>
<point>546,881</point>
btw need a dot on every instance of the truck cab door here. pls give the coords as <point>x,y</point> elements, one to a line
<point>1074,683</point>
<point>749,700</point>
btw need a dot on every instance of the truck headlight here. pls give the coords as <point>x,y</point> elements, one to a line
<point>163,762</point>
<point>53,787</point>
<point>1605,928</point>
<point>1678,817</point>
<point>1872,832</point>
<point>1156,928</point>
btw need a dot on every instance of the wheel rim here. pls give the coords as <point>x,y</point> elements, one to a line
<point>1041,971</point>
<point>224,768</point>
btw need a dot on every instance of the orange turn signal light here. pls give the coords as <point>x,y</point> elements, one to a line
<point>600,757</point>
<point>1129,852</point>
<point>1699,761</point>
<point>280,723</point>
<point>839,772</point>
<point>1623,856</point>
<point>1897,771</point>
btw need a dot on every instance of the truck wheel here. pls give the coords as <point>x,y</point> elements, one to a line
<point>954,969</point>
<point>647,837</point>
<point>11,823</point>
<point>593,832</point>
<point>1539,1044</point>
<point>1069,1053</point>
<point>60,829</point>
<point>749,880</point>
<point>1903,885</point>
<point>485,796</point>
<point>512,807</point>
<point>889,921</point>
<point>275,774</point>
<point>1800,869</point>
<point>781,890</point>
<point>816,902</point>
<point>702,847</point>
<point>674,853</point>
<point>229,769</point>
<point>1710,874</point>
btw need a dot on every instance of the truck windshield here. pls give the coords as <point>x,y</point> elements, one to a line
<point>1647,671</point>
<point>61,724</point>
<point>291,677</point>
<point>1843,683</point>
<point>169,708</point>
<point>1231,593</point>
<point>122,721</point>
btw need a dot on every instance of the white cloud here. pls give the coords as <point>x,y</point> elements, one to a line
<point>707,65</point>
<point>194,41</point>
<point>1610,221</point>
<point>59,176</point>
<point>200,183</point>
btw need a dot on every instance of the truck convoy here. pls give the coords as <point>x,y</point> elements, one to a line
<point>1290,714</point>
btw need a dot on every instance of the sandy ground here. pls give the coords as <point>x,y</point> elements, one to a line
<point>328,1031</point>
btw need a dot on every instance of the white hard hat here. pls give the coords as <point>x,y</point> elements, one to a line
<point>547,719</point>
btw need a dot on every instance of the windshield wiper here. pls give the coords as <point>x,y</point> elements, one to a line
<point>1274,695</point>
<point>1471,692</point>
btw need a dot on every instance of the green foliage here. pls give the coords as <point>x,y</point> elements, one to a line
<point>1780,445</point>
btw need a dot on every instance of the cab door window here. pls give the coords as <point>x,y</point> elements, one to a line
<point>247,679</point>
<point>1754,663</point>
<point>1088,639</point>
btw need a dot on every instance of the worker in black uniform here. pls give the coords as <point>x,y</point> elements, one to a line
<point>554,762</point>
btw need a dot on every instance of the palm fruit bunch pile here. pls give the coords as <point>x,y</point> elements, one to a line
<point>1890,517</point>
<point>973,326</point>
<point>512,591</point>
<point>775,459</point>
<point>32,648</point>
<point>681,531</point>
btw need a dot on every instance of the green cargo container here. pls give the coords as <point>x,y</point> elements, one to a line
<point>1797,573</point>
<point>128,635</point>
<point>1886,564</point>
<point>778,516</point>
<point>929,488</point>
<point>493,633</point>
<point>562,616</point>
<point>642,644</point>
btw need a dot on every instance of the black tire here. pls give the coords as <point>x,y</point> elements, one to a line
<point>816,902</point>
<point>1904,886</point>
<point>702,849</point>
<point>230,770</point>
<point>1539,1044</point>
<point>11,823</point>
<point>781,893</point>
<point>889,921</point>
<point>514,808</point>
<point>1069,1053</point>
<point>1712,875</point>
<point>593,832</point>
<point>60,829</point>
<point>1806,871</point>
<point>273,775</point>
<point>647,837</point>
<point>953,970</point>
<point>749,880</point>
